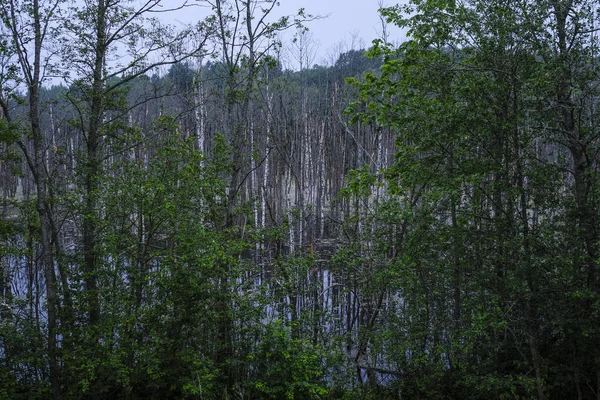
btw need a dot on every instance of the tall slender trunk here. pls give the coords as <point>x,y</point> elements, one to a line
<point>93,166</point>
<point>39,173</point>
<point>200,109</point>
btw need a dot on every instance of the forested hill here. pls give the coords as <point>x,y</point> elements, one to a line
<point>184,218</point>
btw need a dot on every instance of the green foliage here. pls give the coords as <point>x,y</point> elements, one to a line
<point>468,268</point>
<point>9,132</point>
<point>21,336</point>
<point>287,368</point>
<point>163,255</point>
<point>472,237</point>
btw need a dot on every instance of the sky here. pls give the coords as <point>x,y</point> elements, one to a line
<point>349,23</point>
<point>345,25</point>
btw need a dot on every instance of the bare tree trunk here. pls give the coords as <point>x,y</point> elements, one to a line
<point>200,109</point>
<point>321,193</point>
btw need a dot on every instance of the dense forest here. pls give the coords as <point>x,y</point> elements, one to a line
<point>185,217</point>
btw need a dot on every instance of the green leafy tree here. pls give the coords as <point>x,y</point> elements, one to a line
<point>478,227</point>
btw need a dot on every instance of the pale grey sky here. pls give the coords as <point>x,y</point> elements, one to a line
<point>346,24</point>
<point>346,21</point>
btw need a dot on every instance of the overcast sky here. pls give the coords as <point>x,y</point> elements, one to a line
<point>345,21</point>
<point>345,24</point>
